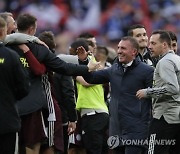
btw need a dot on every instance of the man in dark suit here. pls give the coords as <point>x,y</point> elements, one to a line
<point>129,117</point>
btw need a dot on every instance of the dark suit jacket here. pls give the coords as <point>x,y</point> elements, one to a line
<point>129,116</point>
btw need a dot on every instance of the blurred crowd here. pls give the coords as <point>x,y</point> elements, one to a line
<point>108,20</point>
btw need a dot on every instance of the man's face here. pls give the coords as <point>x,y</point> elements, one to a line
<point>93,40</point>
<point>72,51</point>
<point>126,52</point>
<point>174,46</point>
<point>141,36</point>
<point>11,25</point>
<point>101,56</point>
<point>155,46</point>
<point>93,49</point>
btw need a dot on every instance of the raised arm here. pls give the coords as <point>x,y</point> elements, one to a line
<point>20,38</point>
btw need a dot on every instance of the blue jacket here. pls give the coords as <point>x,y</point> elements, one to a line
<point>129,116</point>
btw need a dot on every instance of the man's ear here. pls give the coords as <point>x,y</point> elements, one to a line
<point>135,52</point>
<point>31,30</point>
<point>165,45</point>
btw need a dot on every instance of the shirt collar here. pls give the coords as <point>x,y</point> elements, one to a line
<point>128,64</point>
<point>170,51</point>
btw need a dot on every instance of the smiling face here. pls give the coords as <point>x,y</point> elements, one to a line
<point>141,36</point>
<point>126,52</point>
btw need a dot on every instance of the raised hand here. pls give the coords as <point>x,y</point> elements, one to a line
<point>82,54</point>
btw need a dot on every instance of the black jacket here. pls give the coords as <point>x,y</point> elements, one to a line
<point>65,95</point>
<point>14,85</point>
<point>36,98</point>
<point>147,56</point>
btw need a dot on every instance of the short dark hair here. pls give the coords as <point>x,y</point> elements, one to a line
<point>102,49</point>
<point>78,43</point>
<point>86,35</point>
<point>131,28</point>
<point>24,21</point>
<point>164,36</point>
<point>172,35</point>
<point>90,43</point>
<point>132,40</point>
<point>48,38</point>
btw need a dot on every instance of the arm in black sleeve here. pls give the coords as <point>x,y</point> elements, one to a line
<point>85,62</point>
<point>20,77</point>
<point>54,63</point>
<point>98,77</point>
<point>64,91</point>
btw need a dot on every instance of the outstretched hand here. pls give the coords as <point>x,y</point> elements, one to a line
<point>93,65</point>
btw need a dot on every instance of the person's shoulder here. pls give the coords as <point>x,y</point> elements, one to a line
<point>9,51</point>
<point>10,56</point>
<point>37,49</point>
<point>145,66</point>
<point>170,58</point>
<point>36,45</point>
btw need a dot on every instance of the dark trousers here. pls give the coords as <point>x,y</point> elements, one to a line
<point>7,143</point>
<point>129,150</point>
<point>162,136</point>
<point>176,148</point>
<point>65,138</point>
<point>94,129</point>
